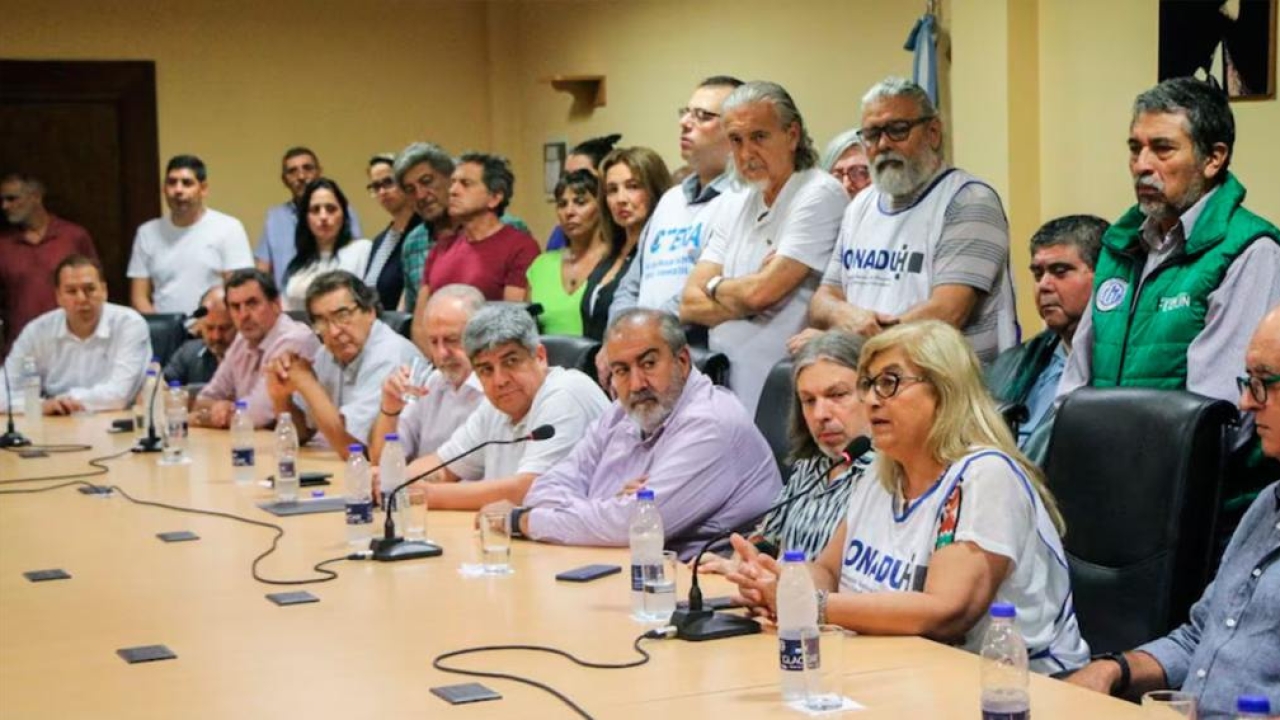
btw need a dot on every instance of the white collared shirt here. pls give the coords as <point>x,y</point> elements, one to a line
<point>103,371</point>
<point>433,418</point>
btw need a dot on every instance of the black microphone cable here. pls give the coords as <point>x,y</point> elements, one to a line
<point>656,634</point>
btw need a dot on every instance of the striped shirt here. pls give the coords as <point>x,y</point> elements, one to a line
<point>807,523</point>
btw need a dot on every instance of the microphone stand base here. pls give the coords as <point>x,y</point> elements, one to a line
<point>13,439</point>
<point>149,445</point>
<point>699,625</point>
<point>396,549</point>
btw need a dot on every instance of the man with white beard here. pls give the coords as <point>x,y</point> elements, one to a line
<point>925,241</point>
<point>672,431</point>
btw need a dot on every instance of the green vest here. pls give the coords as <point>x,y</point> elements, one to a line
<point>1141,329</point>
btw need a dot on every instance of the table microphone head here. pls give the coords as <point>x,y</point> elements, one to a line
<point>856,448</point>
<point>543,432</point>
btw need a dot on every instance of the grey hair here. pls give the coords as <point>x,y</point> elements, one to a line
<point>892,87</point>
<point>422,152</point>
<point>837,147</point>
<point>1208,115</point>
<point>668,326</point>
<point>758,91</point>
<point>499,324</point>
<point>1082,232</point>
<point>362,295</point>
<point>840,348</point>
<point>471,298</point>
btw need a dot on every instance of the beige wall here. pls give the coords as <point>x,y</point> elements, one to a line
<point>238,81</point>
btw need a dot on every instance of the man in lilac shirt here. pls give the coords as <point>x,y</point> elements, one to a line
<point>671,431</point>
<point>263,331</point>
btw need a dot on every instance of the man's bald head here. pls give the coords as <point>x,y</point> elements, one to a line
<point>1261,396</point>
<point>214,325</point>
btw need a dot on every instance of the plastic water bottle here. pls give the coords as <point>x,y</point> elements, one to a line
<point>646,546</point>
<point>145,403</point>
<point>797,620</point>
<point>359,501</point>
<point>1253,707</point>
<point>242,444</point>
<point>1004,668</point>
<point>29,381</point>
<point>286,459</point>
<point>175,419</point>
<point>390,475</point>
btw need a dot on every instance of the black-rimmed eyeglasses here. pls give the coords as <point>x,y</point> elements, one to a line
<point>898,130</point>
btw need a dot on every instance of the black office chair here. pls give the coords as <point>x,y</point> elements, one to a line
<point>299,315</point>
<point>773,413</point>
<point>572,352</point>
<point>167,334</point>
<point>1138,475</point>
<point>401,322</point>
<point>712,364</point>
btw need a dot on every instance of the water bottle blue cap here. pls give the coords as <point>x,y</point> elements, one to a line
<point>355,449</point>
<point>645,494</point>
<point>1258,704</point>
<point>174,384</point>
<point>317,493</point>
<point>1003,610</point>
<point>242,404</point>
<point>391,437</point>
<point>151,372</point>
<point>793,556</point>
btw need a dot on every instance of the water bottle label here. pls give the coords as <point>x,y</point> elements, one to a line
<point>242,457</point>
<point>1000,715</point>
<point>637,577</point>
<point>287,468</point>
<point>178,429</point>
<point>360,513</point>
<point>791,654</point>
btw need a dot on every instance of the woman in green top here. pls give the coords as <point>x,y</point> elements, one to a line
<point>558,278</point>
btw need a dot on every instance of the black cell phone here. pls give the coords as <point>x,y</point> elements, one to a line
<point>307,479</point>
<point>464,693</point>
<point>587,573</point>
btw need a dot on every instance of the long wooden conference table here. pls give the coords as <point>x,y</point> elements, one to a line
<point>366,648</point>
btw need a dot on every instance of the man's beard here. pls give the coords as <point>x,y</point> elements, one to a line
<point>650,417</point>
<point>1166,208</point>
<point>899,180</point>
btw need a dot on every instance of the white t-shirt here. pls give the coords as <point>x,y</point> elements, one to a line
<point>568,400</point>
<point>352,257</point>
<point>888,546</point>
<point>801,225</point>
<point>183,262</point>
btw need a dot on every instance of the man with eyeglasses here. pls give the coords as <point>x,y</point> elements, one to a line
<point>681,222</point>
<point>1230,646</point>
<point>90,353</point>
<point>30,249</point>
<point>753,283</point>
<point>926,240</point>
<point>276,243</point>
<point>338,395</point>
<point>263,331</point>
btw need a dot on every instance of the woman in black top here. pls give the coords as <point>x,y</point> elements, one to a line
<point>385,273</point>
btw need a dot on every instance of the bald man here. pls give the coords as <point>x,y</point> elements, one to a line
<point>1229,647</point>
<point>197,360</point>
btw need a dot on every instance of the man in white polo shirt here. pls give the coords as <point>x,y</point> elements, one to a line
<point>753,283</point>
<point>176,259</point>
<point>521,394</point>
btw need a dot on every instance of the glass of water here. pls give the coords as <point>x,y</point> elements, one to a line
<point>495,542</point>
<point>660,588</point>
<point>415,513</point>
<point>418,371</point>
<point>1169,704</point>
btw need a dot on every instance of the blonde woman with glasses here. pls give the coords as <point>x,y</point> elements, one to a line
<point>950,518</point>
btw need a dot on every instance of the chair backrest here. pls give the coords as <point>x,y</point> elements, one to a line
<point>299,315</point>
<point>167,334</point>
<point>572,352</point>
<point>1138,474</point>
<point>773,413</point>
<point>401,322</point>
<point>712,364</point>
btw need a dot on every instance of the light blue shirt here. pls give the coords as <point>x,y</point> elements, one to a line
<point>277,245</point>
<point>1040,397</point>
<point>356,388</point>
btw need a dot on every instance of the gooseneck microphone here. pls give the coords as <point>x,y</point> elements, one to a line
<point>152,443</point>
<point>12,438</point>
<point>697,623</point>
<point>390,547</point>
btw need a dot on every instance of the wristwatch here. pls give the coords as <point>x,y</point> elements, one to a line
<point>1125,675</point>
<point>516,514</point>
<point>821,596</point>
<point>712,284</point>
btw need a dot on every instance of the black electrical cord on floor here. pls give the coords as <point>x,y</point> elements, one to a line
<point>253,569</point>
<point>438,664</point>
<point>56,448</point>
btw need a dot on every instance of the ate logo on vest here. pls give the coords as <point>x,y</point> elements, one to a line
<point>887,261</point>
<point>1110,294</point>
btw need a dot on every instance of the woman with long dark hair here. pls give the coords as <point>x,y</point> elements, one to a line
<point>323,240</point>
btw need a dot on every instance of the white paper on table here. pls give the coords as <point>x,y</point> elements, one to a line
<point>846,705</point>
